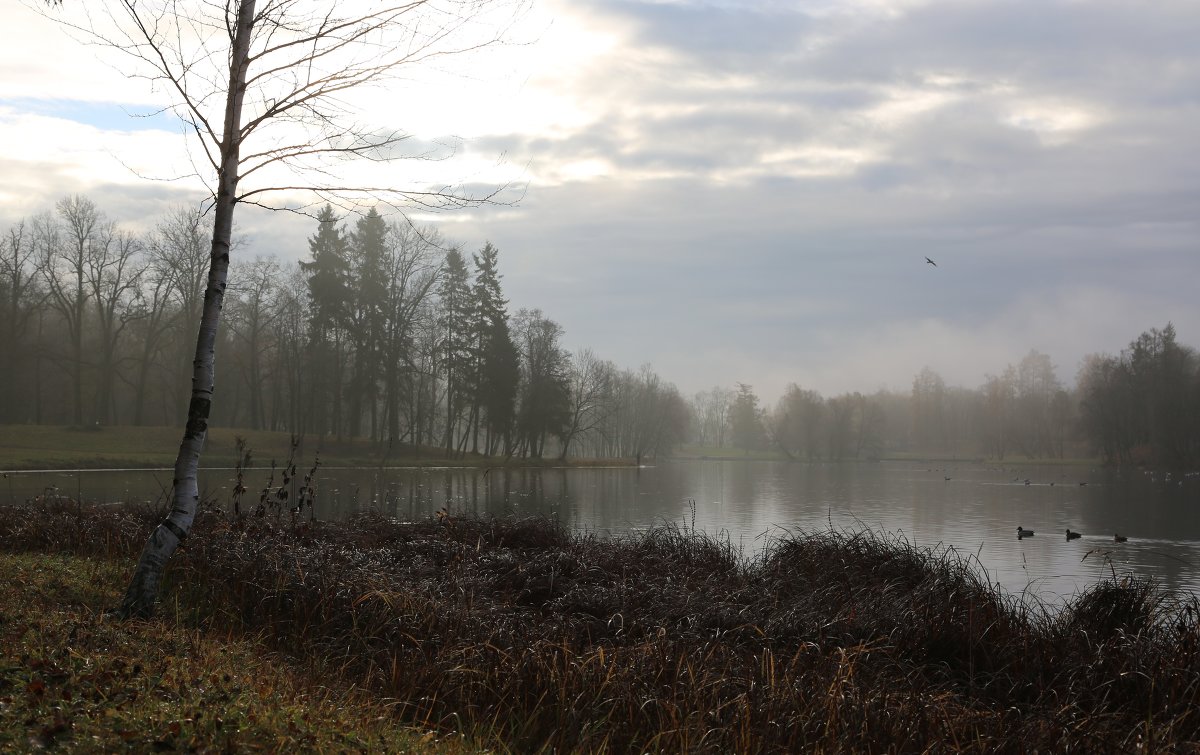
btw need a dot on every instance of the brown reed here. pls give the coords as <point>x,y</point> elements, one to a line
<point>525,635</point>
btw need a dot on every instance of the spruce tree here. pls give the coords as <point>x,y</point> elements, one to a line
<point>489,323</point>
<point>455,346</point>
<point>365,312</point>
<point>328,274</point>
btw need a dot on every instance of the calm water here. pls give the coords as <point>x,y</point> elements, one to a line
<point>976,511</point>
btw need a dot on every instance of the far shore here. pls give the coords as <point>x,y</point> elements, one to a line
<point>53,447</point>
<point>25,448</point>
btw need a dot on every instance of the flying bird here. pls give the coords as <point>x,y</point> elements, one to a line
<point>931,262</point>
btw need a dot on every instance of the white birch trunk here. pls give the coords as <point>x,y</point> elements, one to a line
<point>142,594</point>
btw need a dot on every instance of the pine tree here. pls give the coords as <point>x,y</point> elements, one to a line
<point>489,322</point>
<point>455,346</point>
<point>498,390</point>
<point>366,303</point>
<point>328,275</point>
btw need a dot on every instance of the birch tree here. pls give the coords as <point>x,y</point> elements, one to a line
<point>264,87</point>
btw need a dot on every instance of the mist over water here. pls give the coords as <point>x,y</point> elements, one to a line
<point>976,511</point>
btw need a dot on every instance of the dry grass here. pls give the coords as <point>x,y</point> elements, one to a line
<point>535,639</point>
<point>73,681</point>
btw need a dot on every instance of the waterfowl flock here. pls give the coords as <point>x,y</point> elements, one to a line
<point>1024,533</point>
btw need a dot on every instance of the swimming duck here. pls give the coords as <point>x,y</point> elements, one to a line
<point>1073,535</point>
<point>1022,532</point>
<point>1119,538</point>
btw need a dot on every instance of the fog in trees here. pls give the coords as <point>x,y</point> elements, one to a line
<point>381,330</point>
<point>392,333</point>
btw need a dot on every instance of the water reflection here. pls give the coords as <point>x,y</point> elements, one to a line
<point>972,508</point>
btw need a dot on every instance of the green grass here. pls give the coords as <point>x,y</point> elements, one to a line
<point>53,447</point>
<point>72,680</point>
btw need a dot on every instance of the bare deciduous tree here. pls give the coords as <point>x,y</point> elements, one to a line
<point>20,299</point>
<point>113,270</point>
<point>590,397</point>
<point>265,88</point>
<point>251,316</point>
<point>66,247</point>
<point>412,273</point>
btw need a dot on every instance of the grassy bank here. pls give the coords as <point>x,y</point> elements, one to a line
<point>72,681</point>
<point>52,447</point>
<point>528,638</point>
<point>916,457</point>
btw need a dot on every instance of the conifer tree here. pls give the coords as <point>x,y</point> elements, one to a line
<point>489,323</point>
<point>328,274</point>
<point>455,346</point>
<point>365,305</point>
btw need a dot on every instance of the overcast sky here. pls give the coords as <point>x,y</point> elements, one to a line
<point>747,191</point>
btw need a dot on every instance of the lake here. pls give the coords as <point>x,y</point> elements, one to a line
<point>976,510</point>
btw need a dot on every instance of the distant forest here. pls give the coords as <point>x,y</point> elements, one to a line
<point>1141,407</point>
<point>390,332</point>
<point>385,331</point>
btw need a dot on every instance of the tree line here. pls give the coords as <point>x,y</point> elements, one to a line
<point>384,330</point>
<point>1139,407</point>
<point>390,332</point>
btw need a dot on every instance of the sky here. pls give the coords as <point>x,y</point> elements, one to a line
<point>748,191</point>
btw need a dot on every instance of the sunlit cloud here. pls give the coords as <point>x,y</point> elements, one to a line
<point>747,191</point>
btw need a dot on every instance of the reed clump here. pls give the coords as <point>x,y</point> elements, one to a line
<point>524,635</point>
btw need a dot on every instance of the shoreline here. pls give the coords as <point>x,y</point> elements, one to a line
<point>49,448</point>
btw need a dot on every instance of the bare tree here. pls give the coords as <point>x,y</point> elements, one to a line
<point>798,423</point>
<point>711,410</point>
<point>153,319</point>
<point>250,319</point>
<point>412,269</point>
<point>650,416</point>
<point>20,299</point>
<point>590,385</point>
<point>112,272</point>
<point>288,331</point>
<point>180,248</point>
<point>66,247</point>
<point>264,88</point>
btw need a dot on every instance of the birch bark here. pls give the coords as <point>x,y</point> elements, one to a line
<point>142,593</point>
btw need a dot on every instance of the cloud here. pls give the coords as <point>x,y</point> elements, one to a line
<point>747,190</point>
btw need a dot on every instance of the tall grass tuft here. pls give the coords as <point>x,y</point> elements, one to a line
<point>521,633</point>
